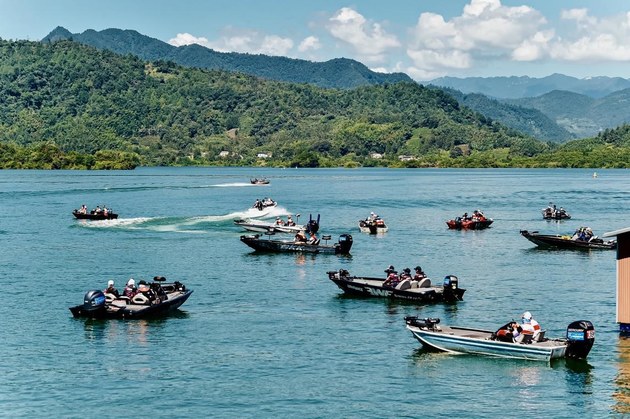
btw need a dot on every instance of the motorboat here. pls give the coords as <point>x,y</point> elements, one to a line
<point>580,336</point>
<point>262,244</point>
<point>568,241</point>
<point>160,299</point>
<point>264,203</point>
<point>259,181</point>
<point>553,213</point>
<point>373,225</point>
<point>459,223</point>
<point>258,226</point>
<point>94,215</point>
<point>410,290</point>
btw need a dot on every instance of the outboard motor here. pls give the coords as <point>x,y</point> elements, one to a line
<point>451,282</point>
<point>94,300</point>
<point>580,337</point>
<point>345,243</point>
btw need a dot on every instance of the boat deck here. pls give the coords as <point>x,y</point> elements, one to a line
<point>486,335</point>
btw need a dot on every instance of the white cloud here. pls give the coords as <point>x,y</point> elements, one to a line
<point>368,39</point>
<point>310,43</point>
<point>187,39</point>
<point>245,41</point>
<point>485,30</point>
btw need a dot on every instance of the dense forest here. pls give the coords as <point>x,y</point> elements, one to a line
<point>67,105</point>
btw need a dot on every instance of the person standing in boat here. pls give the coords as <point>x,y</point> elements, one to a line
<point>111,289</point>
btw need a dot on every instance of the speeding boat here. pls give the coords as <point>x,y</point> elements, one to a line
<point>275,227</point>
<point>469,224</point>
<point>94,215</point>
<point>264,203</point>
<point>373,226</point>
<point>257,181</point>
<point>419,291</point>
<point>342,247</point>
<point>553,213</point>
<point>579,340</point>
<point>161,299</point>
<point>567,241</point>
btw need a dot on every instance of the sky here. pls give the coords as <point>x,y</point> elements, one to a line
<point>425,39</point>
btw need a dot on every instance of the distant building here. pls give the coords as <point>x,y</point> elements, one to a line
<point>263,155</point>
<point>376,155</point>
<point>406,158</point>
<point>224,154</point>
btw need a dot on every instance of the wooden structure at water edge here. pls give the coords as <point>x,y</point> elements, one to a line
<point>623,278</point>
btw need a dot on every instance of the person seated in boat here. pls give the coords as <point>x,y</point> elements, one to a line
<point>105,211</point>
<point>373,217</point>
<point>313,238</point>
<point>83,209</point>
<point>111,289</point>
<point>130,289</point>
<point>300,237</point>
<point>465,217</point>
<point>145,289</point>
<point>406,274</point>
<point>392,277</point>
<point>290,221</point>
<point>258,205</point>
<point>279,221</point>
<point>478,216</point>
<point>530,326</point>
<point>97,210</point>
<point>420,275</point>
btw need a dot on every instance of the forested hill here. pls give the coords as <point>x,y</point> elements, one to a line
<point>337,73</point>
<point>86,100</point>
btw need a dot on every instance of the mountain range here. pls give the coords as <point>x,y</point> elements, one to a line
<point>336,73</point>
<point>521,87</point>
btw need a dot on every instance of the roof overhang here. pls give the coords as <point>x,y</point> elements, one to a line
<point>617,232</point>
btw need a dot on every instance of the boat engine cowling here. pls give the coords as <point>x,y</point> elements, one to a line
<point>580,337</point>
<point>345,243</point>
<point>451,282</point>
<point>427,323</point>
<point>94,300</point>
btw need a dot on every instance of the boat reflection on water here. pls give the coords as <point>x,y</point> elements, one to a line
<point>622,381</point>
<point>137,330</point>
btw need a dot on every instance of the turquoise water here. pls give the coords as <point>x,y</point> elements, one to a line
<point>269,335</point>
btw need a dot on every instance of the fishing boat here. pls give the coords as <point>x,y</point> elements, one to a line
<point>260,244</point>
<point>568,241</point>
<point>410,290</point>
<point>553,213</point>
<point>160,299</point>
<point>278,226</point>
<point>580,336</point>
<point>94,215</point>
<point>373,225</point>
<point>261,181</point>
<point>461,224</point>
<point>264,203</point>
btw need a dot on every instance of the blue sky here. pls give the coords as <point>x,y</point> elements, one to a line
<point>425,39</point>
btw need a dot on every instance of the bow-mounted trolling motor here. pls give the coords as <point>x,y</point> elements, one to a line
<point>427,323</point>
<point>580,337</point>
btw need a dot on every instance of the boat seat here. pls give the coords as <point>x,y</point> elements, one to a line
<point>541,336</point>
<point>425,283</point>
<point>414,284</point>
<point>140,299</point>
<point>525,338</point>
<point>109,297</point>
<point>405,284</point>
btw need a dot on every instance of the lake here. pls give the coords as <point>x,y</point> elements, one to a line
<point>268,334</point>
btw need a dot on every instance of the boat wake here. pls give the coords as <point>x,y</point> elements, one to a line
<point>193,225</point>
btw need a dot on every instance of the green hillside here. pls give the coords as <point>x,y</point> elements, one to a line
<point>66,105</point>
<point>337,73</point>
